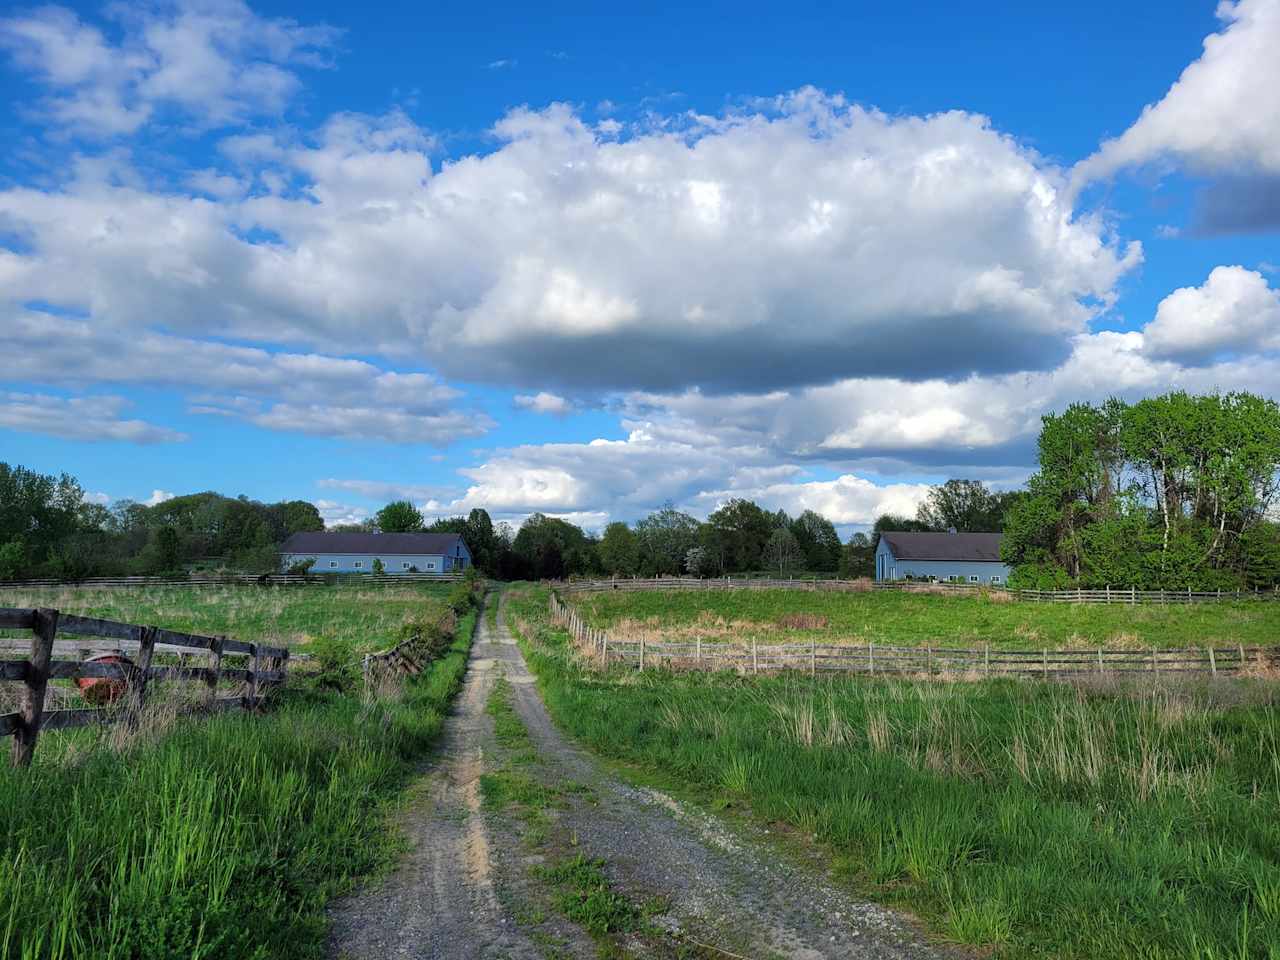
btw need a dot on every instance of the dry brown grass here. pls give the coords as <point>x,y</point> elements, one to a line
<point>804,621</point>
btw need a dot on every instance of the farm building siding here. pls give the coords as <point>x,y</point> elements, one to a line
<point>398,563</point>
<point>890,567</point>
<point>356,552</point>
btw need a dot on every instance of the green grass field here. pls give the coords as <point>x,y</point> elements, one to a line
<point>357,617</point>
<point>1034,819</point>
<point>217,837</point>
<point>915,618</point>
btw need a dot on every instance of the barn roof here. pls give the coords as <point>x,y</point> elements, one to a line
<point>944,546</point>
<point>390,544</point>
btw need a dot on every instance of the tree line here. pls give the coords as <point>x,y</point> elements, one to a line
<point>49,529</point>
<point>1169,492</point>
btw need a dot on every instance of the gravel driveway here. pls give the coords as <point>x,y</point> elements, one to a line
<point>728,890</point>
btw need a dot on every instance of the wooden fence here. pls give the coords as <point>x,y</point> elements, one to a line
<point>268,580</point>
<point>265,666</point>
<point>408,657</point>
<point>1126,595</point>
<point>873,658</point>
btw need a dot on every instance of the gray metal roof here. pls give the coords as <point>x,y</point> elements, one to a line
<point>944,546</point>
<point>388,544</point>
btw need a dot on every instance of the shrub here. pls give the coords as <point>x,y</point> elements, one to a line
<point>13,559</point>
<point>302,567</point>
<point>378,568</point>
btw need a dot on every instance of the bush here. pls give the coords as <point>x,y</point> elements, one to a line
<point>302,567</point>
<point>13,560</point>
<point>466,594</point>
<point>378,568</point>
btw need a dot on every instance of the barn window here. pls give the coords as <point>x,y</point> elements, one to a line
<point>359,564</point>
<point>405,565</point>
<point>995,579</point>
<point>333,563</point>
<point>973,578</point>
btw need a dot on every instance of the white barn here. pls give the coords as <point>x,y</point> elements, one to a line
<point>356,552</point>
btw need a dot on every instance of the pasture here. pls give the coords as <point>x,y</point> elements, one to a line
<point>1118,820</point>
<point>221,836</point>
<point>355,617</point>
<point>903,618</point>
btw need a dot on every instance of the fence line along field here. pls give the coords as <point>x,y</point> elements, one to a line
<point>871,658</point>
<point>209,834</point>
<point>359,616</point>
<point>1133,817</point>
<point>939,618</point>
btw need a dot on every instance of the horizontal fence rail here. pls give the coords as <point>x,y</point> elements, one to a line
<point>408,657</point>
<point>270,580</point>
<point>873,658</point>
<point>263,667</point>
<point>1127,595</point>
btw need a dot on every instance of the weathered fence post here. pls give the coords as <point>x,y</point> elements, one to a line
<point>1045,653</point>
<point>642,651</point>
<point>697,651</point>
<point>813,656</point>
<point>1213,664</point>
<point>141,673</point>
<point>31,708</point>
<point>1241,656</point>
<point>252,700</point>
<point>871,657</point>
<point>986,658</point>
<point>755,661</point>
<point>928,659</point>
<point>213,673</point>
<point>1099,661</point>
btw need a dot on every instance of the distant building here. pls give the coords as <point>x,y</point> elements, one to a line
<point>399,552</point>
<point>953,557</point>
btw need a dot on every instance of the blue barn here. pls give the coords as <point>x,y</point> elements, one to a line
<point>953,557</point>
<point>399,552</point>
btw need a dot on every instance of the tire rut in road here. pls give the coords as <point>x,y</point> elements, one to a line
<point>726,888</point>
<point>441,901</point>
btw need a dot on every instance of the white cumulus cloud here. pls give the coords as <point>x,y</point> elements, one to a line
<point>1234,311</point>
<point>1223,113</point>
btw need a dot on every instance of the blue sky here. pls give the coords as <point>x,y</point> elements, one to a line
<point>585,261</point>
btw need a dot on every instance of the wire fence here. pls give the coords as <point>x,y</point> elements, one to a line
<point>1125,595</point>
<point>872,658</point>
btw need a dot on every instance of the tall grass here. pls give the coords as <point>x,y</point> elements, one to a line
<point>1039,819</point>
<point>353,616</point>
<point>222,838</point>
<point>954,620</point>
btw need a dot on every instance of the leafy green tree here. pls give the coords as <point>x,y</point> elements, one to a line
<point>858,557</point>
<point>782,551</point>
<point>38,509</point>
<point>378,567</point>
<point>298,516</point>
<point>966,505</point>
<point>695,562</point>
<point>818,541</point>
<point>619,551</point>
<point>551,548</point>
<point>399,516</point>
<point>664,538</point>
<point>13,560</point>
<point>1166,492</point>
<point>741,531</point>
<point>164,554</point>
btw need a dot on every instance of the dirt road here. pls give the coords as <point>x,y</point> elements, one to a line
<point>469,888</point>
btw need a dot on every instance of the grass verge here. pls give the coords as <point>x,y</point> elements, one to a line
<point>1034,819</point>
<point>223,837</point>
